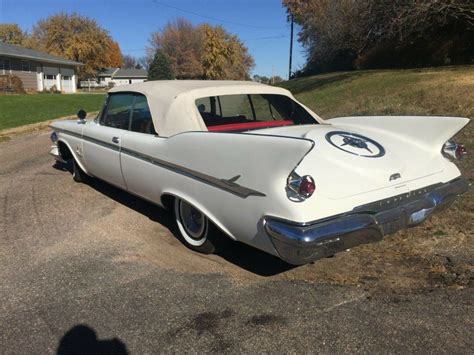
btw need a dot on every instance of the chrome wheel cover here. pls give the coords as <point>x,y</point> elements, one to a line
<point>192,223</point>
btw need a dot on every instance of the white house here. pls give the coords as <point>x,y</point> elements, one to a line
<point>120,76</point>
<point>38,70</point>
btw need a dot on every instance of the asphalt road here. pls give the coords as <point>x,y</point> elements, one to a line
<point>91,267</point>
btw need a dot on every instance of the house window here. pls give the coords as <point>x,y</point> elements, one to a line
<point>4,65</point>
<point>66,77</point>
<point>25,65</point>
<point>49,77</point>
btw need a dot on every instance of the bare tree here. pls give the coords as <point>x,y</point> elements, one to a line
<point>128,61</point>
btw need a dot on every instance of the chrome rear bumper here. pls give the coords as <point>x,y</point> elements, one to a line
<point>298,243</point>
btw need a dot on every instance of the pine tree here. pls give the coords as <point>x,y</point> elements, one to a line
<point>160,68</point>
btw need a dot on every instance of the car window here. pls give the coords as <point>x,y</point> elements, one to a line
<point>204,105</point>
<point>236,106</point>
<point>264,110</point>
<point>117,114</point>
<point>251,111</point>
<point>141,116</point>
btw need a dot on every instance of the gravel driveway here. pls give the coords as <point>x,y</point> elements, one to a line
<point>93,267</point>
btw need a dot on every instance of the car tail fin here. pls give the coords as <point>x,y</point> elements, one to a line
<point>430,131</point>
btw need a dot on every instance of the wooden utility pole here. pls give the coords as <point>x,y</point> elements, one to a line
<point>291,48</point>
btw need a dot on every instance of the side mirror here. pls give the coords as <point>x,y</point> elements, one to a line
<point>81,114</point>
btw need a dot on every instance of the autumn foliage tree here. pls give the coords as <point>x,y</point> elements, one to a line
<point>114,55</point>
<point>202,51</point>
<point>78,38</point>
<point>225,56</point>
<point>348,34</point>
<point>11,33</point>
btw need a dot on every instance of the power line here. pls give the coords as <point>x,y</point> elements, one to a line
<point>242,39</point>
<point>215,18</point>
<point>264,38</point>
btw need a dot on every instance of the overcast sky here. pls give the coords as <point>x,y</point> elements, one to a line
<point>260,24</point>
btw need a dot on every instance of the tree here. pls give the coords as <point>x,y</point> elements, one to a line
<point>202,51</point>
<point>78,38</point>
<point>11,33</point>
<point>129,61</point>
<point>348,34</point>
<point>183,44</point>
<point>216,53</point>
<point>115,55</point>
<point>261,79</point>
<point>142,63</point>
<point>160,68</point>
<point>277,79</point>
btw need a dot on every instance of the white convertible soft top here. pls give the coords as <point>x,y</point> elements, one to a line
<point>172,102</point>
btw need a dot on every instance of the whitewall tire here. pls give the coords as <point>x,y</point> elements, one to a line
<point>195,229</point>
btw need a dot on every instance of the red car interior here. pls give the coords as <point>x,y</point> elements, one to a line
<point>244,126</point>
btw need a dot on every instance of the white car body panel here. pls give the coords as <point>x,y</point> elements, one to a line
<point>188,162</point>
<point>101,160</point>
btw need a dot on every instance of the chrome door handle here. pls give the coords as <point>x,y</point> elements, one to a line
<point>115,140</point>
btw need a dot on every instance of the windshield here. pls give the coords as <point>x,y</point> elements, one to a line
<point>245,112</point>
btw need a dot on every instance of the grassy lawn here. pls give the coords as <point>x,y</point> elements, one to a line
<point>432,91</point>
<point>18,110</point>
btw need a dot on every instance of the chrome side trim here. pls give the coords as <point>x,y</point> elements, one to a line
<point>223,184</point>
<point>300,243</point>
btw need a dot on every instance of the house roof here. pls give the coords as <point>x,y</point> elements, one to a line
<point>11,50</point>
<point>172,102</point>
<point>123,73</point>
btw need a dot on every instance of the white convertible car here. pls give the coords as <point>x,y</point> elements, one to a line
<point>249,161</point>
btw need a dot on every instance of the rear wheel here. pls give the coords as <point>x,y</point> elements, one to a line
<point>78,174</point>
<point>195,229</point>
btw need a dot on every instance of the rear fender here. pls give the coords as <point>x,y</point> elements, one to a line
<point>197,204</point>
<point>258,162</point>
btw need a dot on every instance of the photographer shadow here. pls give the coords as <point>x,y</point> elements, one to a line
<point>82,339</point>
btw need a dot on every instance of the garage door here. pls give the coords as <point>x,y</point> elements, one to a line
<point>66,83</point>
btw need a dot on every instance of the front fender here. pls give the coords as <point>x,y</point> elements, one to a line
<point>79,159</point>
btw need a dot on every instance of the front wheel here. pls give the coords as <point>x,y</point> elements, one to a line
<point>78,174</point>
<point>195,229</point>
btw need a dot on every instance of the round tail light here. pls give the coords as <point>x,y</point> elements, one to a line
<point>306,187</point>
<point>460,151</point>
<point>453,150</point>
<point>303,186</point>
